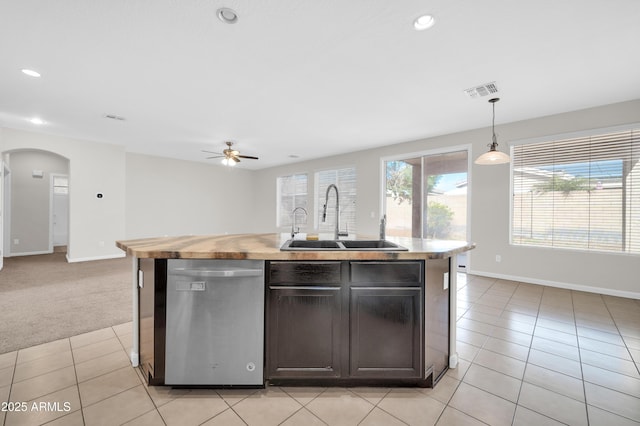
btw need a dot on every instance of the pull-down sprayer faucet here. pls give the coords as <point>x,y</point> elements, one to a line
<point>336,233</point>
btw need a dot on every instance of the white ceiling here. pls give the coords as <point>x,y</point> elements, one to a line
<point>305,77</point>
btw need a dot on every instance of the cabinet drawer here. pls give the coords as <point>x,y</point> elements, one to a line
<point>387,272</point>
<point>308,273</point>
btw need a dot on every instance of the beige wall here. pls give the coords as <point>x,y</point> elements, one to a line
<point>490,203</point>
<point>174,197</point>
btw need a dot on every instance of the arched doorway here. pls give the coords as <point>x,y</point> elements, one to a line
<point>37,202</point>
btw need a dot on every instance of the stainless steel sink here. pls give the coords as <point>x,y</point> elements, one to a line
<point>341,245</point>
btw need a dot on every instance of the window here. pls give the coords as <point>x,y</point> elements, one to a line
<point>580,193</point>
<point>426,196</point>
<point>345,180</point>
<point>291,193</point>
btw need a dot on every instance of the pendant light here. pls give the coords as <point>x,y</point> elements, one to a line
<point>493,156</point>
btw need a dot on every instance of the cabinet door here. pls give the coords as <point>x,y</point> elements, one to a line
<point>303,332</point>
<point>152,300</point>
<point>386,330</point>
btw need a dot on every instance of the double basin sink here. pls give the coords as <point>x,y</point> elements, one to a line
<point>351,245</point>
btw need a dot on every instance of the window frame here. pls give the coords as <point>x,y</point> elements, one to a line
<point>558,137</point>
<point>279,199</point>
<point>317,204</point>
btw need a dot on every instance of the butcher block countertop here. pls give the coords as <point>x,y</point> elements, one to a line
<point>267,247</point>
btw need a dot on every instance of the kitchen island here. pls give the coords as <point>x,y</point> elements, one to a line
<point>331,317</point>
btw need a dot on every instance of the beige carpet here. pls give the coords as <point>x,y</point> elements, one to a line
<point>44,298</point>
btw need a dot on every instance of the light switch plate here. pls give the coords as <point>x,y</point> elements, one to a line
<point>445,284</point>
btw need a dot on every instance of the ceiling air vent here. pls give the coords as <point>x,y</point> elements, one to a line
<point>483,90</point>
<point>114,117</point>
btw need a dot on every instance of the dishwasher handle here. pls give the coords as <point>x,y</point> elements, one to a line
<point>217,273</point>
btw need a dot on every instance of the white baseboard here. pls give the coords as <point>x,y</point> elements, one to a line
<point>87,259</point>
<point>30,253</point>
<point>557,284</point>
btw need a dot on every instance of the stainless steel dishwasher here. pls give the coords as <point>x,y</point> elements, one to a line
<point>215,322</point>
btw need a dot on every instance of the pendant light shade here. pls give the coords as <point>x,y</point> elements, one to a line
<point>493,156</point>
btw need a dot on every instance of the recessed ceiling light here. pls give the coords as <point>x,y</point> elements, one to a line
<point>37,121</point>
<point>424,22</point>
<point>228,16</point>
<point>31,73</point>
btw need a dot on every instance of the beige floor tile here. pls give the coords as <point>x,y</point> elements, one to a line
<point>599,417</point>
<point>126,340</point>
<point>233,396</point>
<point>151,418</point>
<point>372,394</point>
<point>412,406</point>
<point>526,417</point>
<point>481,317</point>
<point>42,365</point>
<point>565,316</point>
<point>459,372</point>
<point>466,351</point>
<point>556,348</point>
<point>554,405</point>
<point>569,328</point>
<point>8,359</point>
<point>515,316</point>
<point>609,326</point>
<point>122,329</point>
<point>227,418</point>
<point>194,408</point>
<point>604,348</point>
<point>452,417</point>
<point>95,350</point>
<point>302,417</point>
<point>269,406</point>
<point>304,395</point>
<point>493,382</point>
<point>503,364</point>
<point>602,336</point>
<point>45,349</point>
<point>338,406</point>
<point>610,363</point>
<point>555,363</point>
<point>4,397</point>
<point>92,337</point>
<point>556,336</point>
<point>6,376</point>
<point>609,379</point>
<point>44,384</point>
<point>503,347</point>
<point>161,395</point>
<point>102,387</point>
<point>522,327</point>
<point>47,408</point>
<point>521,307</point>
<point>512,336</point>
<point>119,408</point>
<point>477,326</point>
<point>470,337</point>
<point>73,419</point>
<point>482,405</point>
<point>98,366</point>
<point>377,417</point>
<point>631,342</point>
<point>556,382</point>
<point>444,389</point>
<point>478,307</point>
<point>610,400</point>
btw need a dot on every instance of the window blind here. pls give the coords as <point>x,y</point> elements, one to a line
<point>580,193</point>
<point>345,180</point>
<point>291,193</point>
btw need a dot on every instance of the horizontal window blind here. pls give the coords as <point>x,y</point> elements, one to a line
<point>581,193</point>
<point>345,180</point>
<point>291,193</point>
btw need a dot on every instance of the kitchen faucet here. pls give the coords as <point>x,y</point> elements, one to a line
<point>336,233</point>
<point>293,220</point>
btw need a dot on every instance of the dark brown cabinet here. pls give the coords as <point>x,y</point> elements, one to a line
<point>358,322</point>
<point>152,291</point>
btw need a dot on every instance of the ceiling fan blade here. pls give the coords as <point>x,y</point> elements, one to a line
<point>211,152</point>
<point>217,156</point>
<point>248,157</point>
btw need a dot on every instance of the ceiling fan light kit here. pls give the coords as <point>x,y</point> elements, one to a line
<point>230,156</point>
<point>493,156</point>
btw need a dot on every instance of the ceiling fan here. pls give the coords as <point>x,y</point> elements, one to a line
<point>230,156</point>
